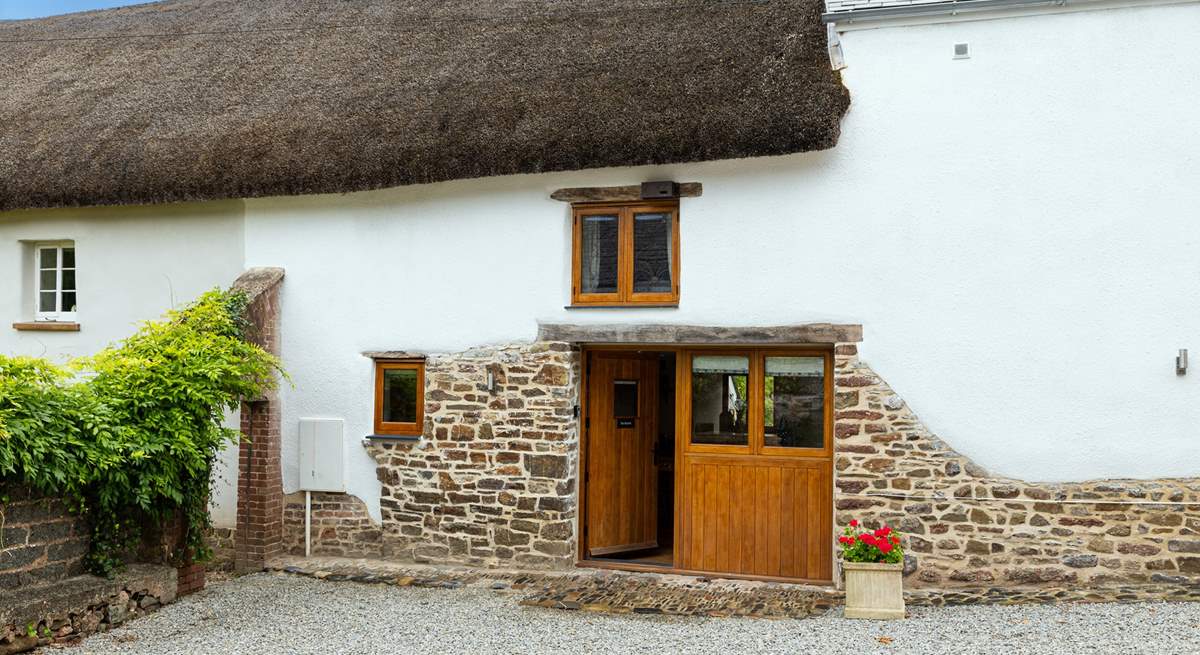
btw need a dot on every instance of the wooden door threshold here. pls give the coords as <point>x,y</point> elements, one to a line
<point>671,570</point>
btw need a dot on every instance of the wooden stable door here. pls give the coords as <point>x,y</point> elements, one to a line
<point>756,473</point>
<point>622,503</point>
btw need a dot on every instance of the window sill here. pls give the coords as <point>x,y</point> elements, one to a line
<point>46,326</point>
<point>640,305</point>
<point>402,438</point>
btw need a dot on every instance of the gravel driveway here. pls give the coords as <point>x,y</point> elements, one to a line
<point>278,613</point>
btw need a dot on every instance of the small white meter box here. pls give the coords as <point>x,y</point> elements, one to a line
<point>322,460</point>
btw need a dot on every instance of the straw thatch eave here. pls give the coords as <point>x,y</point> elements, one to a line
<point>205,99</point>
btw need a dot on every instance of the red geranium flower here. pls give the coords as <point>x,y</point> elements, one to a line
<point>854,523</point>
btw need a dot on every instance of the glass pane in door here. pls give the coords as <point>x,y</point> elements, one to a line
<point>719,399</point>
<point>794,402</point>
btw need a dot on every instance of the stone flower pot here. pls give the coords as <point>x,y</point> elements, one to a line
<point>874,590</point>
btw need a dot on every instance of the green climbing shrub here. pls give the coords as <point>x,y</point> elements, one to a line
<point>129,435</point>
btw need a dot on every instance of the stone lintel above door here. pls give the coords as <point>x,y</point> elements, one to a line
<point>634,333</point>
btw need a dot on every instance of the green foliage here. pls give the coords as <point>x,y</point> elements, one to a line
<point>130,434</point>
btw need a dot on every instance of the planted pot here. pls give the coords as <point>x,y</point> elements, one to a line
<point>874,590</point>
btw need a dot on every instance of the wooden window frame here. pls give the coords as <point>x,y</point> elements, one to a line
<point>755,392</point>
<point>624,296</point>
<point>393,428</point>
<point>58,314</point>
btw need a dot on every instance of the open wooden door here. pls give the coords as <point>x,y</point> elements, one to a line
<point>622,402</point>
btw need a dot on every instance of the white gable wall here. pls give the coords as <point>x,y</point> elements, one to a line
<point>1015,231</point>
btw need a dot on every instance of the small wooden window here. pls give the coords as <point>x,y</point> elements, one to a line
<point>626,254</point>
<point>399,397</point>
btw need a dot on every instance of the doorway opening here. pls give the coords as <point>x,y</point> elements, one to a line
<point>629,467</point>
<point>713,459</point>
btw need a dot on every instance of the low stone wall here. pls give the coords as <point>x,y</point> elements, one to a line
<point>340,526</point>
<point>967,527</point>
<point>66,610</point>
<point>40,540</point>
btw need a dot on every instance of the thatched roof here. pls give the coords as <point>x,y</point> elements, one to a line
<point>204,99</point>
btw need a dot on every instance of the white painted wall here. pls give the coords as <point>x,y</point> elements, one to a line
<point>1017,233</point>
<point>134,263</point>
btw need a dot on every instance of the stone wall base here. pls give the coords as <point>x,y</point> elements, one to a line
<point>73,608</point>
<point>649,593</point>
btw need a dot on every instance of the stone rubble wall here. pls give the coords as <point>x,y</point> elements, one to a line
<point>222,541</point>
<point>40,540</point>
<point>966,527</point>
<point>340,526</point>
<point>493,479</point>
<point>492,483</point>
<point>66,610</point>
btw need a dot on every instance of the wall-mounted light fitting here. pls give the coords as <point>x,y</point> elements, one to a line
<point>491,382</point>
<point>1181,362</point>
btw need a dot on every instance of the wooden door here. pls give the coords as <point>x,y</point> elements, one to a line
<point>756,472</point>
<point>622,483</point>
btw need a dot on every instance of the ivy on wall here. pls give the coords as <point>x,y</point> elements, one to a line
<point>129,435</point>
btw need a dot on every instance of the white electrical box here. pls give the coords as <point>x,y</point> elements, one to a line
<point>322,463</point>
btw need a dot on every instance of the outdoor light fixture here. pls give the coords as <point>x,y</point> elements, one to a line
<point>1181,362</point>
<point>491,382</point>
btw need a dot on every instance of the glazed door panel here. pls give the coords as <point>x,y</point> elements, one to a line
<point>622,482</point>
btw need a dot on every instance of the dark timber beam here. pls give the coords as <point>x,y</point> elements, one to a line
<point>698,334</point>
<point>630,193</point>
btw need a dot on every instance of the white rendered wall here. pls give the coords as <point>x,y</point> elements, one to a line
<point>1017,232</point>
<point>134,263</point>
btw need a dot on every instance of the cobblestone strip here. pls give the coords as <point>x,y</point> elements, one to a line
<point>642,593</point>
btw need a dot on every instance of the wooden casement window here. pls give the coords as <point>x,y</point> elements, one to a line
<point>626,254</point>
<point>399,397</point>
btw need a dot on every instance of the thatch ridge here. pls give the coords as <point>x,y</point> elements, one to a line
<point>205,99</point>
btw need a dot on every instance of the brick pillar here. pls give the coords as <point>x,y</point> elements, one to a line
<point>259,535</point>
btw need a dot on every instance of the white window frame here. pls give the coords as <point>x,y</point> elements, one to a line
<point>58,314</point>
